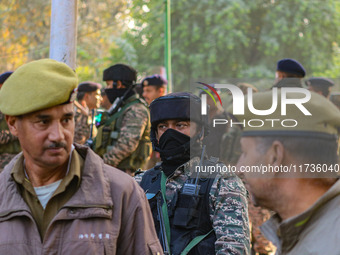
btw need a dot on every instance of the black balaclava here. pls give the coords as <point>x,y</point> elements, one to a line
<point>120,72</point>
<point>174,147</point>
<point>114,93</point>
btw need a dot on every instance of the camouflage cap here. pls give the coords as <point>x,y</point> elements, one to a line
<point>37,85</point>
<point>323,122</point>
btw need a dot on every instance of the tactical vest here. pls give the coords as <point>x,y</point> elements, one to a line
<point>108,134</point>
<point>13,147</point>
<point>189,215</point>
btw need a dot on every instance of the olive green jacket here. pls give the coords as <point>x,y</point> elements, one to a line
<point>315,231</point>
<point>108,214</point>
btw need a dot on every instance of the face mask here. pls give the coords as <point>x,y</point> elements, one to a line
<point>176,149</point>
<point>114,93</point>
<point>174,145</point>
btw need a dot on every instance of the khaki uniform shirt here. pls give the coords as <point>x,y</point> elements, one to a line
<point>63,193</point>
<point>108,214</point>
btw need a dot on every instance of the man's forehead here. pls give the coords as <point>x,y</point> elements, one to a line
<point>248,140</point>
<point>150,87</point>
<point>59,109</point>
<point>176,120</point>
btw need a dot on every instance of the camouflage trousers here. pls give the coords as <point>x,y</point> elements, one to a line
<point>5,158</point>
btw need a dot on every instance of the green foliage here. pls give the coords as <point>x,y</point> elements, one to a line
<point>85,73</point>
<point>121,51</point>
<point>211,39</point>
<point>237,38</point>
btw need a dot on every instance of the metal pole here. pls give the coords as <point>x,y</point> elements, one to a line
<point>63,35</point>
<point>167,46</point>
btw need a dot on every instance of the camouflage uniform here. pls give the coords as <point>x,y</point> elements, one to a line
<point>9,144</point>
<point>132,129</point>
<point>228,208</point>
<point>82,129</point>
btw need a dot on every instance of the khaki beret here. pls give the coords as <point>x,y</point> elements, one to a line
<point>324,121</point>
<point>36,86</point>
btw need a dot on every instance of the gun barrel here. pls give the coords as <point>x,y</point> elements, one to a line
<point>162,226</point>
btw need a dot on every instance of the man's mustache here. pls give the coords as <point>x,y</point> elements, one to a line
<point>56,145</point>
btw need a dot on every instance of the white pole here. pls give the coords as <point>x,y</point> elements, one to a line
<point>63,36</point>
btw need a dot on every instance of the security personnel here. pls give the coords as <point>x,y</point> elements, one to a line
<point>194,213</point>
<point>320,85</point>
<point>58,197</point>
<point>88,100</point>
<point>9,144</point>
<point>301,185</point>
<point>154,86</point>
<point>289,73</point>
<point>123,138</point>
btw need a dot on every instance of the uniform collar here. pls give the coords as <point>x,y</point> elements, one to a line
<point>74,171</point>
<point>187,168</point>
<point>288,82</point>
<point>131,98</point>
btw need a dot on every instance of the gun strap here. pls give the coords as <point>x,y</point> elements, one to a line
<point>92,123</point>
<point>193,242</point>
<point>117,114</point>
<point>165,209</point>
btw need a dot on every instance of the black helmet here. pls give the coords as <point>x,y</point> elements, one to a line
<point>120,72</point>
<point>179,105</point>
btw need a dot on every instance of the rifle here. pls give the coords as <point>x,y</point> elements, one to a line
<point>89,142</point>
<point>120,100</point>
<point>113,109</point>
<point>163,235</point>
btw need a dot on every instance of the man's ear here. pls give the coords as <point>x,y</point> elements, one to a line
<point>161,91</point>
<point>85,99</point>
<point>275,154</point>
<point>12,123</point>
<point>120,85</point>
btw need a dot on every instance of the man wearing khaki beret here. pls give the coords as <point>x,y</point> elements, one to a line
<point>57,197</point>
<point>289,157</point>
